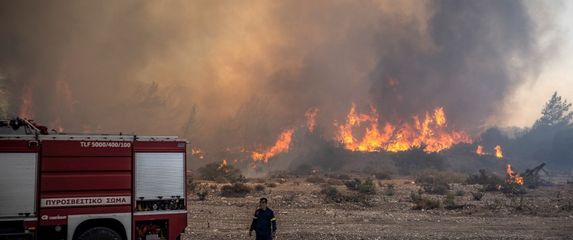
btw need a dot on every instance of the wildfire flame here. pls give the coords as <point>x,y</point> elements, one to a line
<point>223,164</point>
<point>281,145</point>
<point>513,177</point>
<point>430,132</point>
<point>310,115</point>
<point>479,150</point>
<point>197,152</point>
<point>498,151</point>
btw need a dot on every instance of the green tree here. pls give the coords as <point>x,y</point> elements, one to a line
<point>556,113</point>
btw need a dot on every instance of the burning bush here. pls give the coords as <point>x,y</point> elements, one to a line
<point>221,173</point>
<point>235,190</point>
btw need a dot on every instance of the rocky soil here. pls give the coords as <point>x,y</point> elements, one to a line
<point>302,213</point>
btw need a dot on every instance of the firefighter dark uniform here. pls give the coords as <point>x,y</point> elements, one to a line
<point>264,223</point>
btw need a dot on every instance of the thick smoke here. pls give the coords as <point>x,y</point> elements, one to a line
<point>226,73</point>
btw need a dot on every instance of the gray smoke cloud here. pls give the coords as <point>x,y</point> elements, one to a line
<point>228,73</point>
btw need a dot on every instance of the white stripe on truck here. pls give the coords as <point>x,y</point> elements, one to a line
<point>85,201</point>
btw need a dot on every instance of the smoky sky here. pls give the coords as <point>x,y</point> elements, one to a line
<point>232,73</point>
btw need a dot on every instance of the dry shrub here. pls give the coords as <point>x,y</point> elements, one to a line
<point>281,180</point>
<point>221,174</point>
<point>433,176</point>
<point>383,175</point>
<point>259,180</point>
<point>260,188</point>
<point>489,182</point>
<point>478,195</point>
<point>290,197</point>
<point>422,203</point>
<point>331,194</point>
<point>191,185</point>
<point>390,190</point>
<point>235,190</point>
<point>361,199</point>
<point>315,179</point>
<point>438,182</point>
<point>336,182</point>
<point>338,176</point>
<point>367,186</point>
<point>220,179</point>
<point>202,192</point>
<point>436,188</point>
<point>450,200</point>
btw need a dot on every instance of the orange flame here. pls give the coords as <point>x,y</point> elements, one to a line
<point>310,115</point>
<point>430,132</point>
<point>479,150</point>
<point>498,151</point>
<point>223,165</point>
<point>197,152</point>
<point>440,117</point>
<point>513,177</point>
<point>281,145</point>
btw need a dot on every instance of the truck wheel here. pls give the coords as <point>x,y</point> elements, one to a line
<point>100,233</point>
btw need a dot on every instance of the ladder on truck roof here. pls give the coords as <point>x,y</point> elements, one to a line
<point>34,131</point>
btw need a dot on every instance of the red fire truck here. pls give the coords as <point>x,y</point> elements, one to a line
<point>90,186</point>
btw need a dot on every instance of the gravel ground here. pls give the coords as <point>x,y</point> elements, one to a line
<point>302,213</point>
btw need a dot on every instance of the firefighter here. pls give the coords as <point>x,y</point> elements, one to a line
<point>264,222</point>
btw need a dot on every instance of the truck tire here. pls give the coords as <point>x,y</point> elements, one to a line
<point>99,233</point>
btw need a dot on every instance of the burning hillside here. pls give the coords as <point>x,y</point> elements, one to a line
<point>252,84</point>
<point>430,131</point>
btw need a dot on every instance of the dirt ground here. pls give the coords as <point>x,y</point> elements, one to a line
<point>302,213</point>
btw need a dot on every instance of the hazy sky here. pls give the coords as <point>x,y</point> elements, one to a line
<point>210,68</point>
<point>525,106</point>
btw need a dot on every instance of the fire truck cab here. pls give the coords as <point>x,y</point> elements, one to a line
<point>90,186</point>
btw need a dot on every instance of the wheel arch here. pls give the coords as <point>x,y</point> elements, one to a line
<point>121,223</point>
